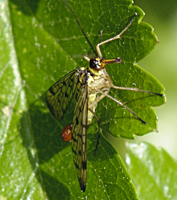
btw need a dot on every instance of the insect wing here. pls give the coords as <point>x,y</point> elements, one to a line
<point>79,134</point>
<point>59,95</point>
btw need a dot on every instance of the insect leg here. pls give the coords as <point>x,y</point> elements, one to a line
<point>114,38</point>
<point>121,104</point>
<point>131,89</point>
<point>135,90</point>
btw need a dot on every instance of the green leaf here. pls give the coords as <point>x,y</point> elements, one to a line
<point>40,42</point>
<point>153,171</point>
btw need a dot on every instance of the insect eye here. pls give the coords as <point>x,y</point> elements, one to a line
<point>94,64</point>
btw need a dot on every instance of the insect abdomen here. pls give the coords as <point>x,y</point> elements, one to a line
<point>92,98</point>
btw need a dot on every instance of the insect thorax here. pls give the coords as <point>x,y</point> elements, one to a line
<point>96,80</point>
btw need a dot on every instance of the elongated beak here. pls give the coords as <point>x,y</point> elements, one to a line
<point>105,62</point>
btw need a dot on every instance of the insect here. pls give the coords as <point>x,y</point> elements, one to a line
<point>89,85</point>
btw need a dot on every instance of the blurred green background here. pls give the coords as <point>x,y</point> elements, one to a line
<point>161,63</point>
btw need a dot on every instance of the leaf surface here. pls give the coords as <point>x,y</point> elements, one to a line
<point>40,42</point>
<point>153,171</point>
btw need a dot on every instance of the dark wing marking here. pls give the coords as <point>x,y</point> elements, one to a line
<point>79,134</point>
<point>59,95</point>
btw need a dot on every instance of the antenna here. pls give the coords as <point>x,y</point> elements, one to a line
<point>80,26</point>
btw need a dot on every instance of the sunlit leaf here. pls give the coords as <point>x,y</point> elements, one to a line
<point>153,171</point>
<point>40,42</point>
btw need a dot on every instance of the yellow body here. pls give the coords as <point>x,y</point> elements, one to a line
<point>100,80</point>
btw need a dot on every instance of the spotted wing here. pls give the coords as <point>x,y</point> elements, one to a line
<point>59,95</point>
<point>79,134</point>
